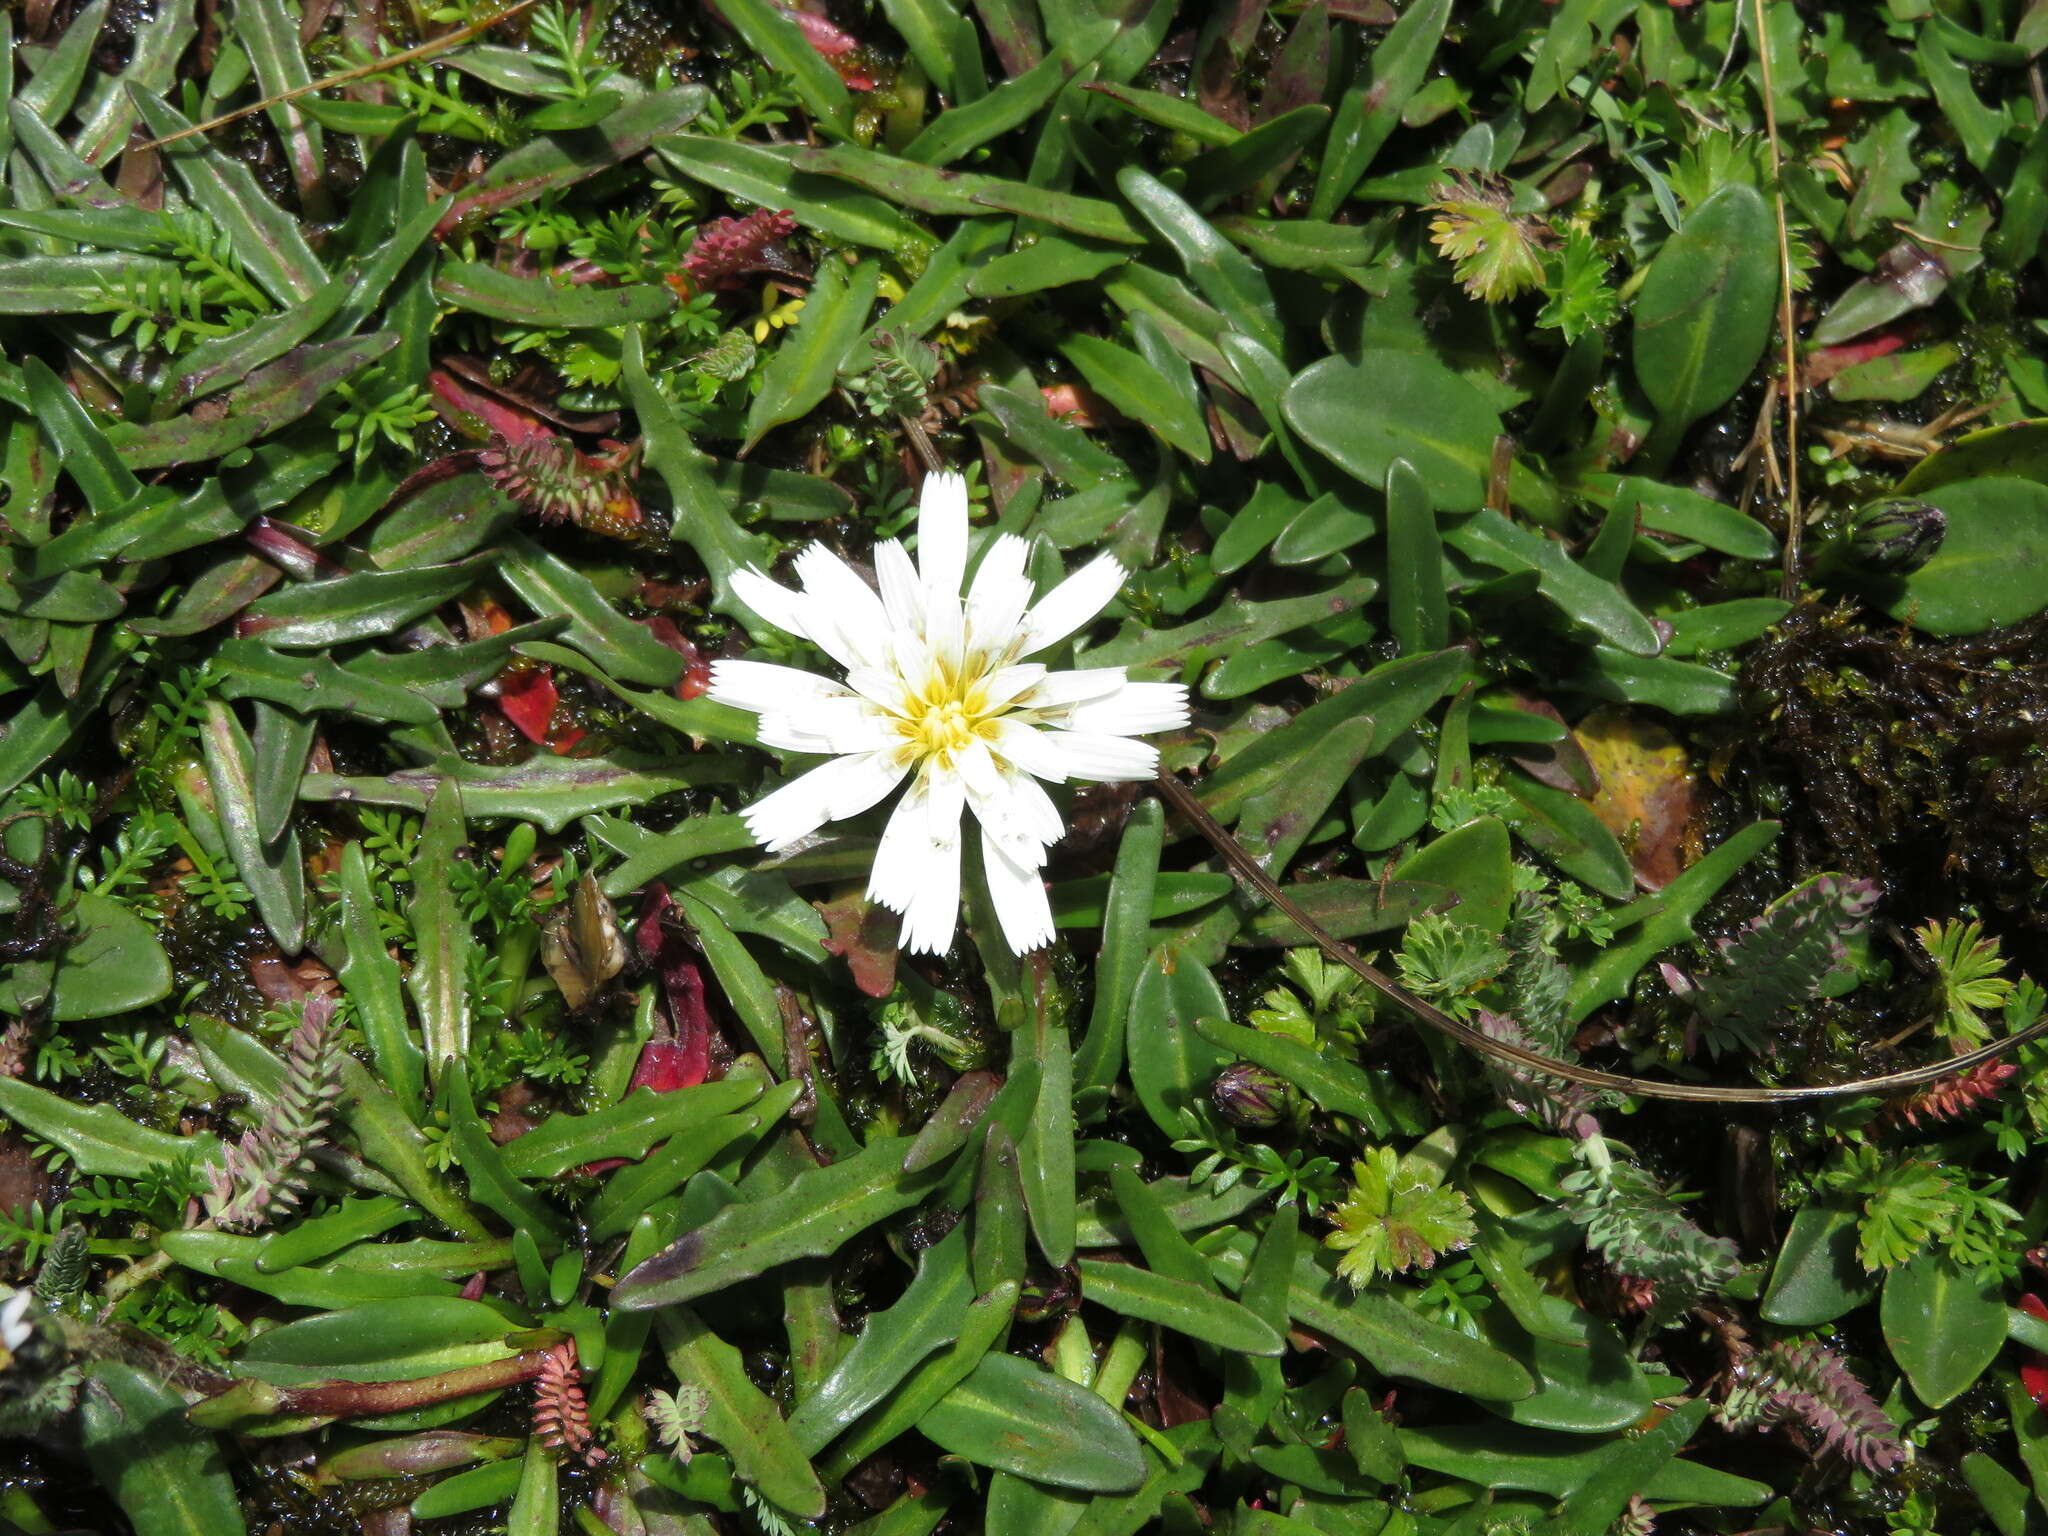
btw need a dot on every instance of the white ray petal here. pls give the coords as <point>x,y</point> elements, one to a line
<point>1089,756</point>
<point>1078,685</point>
<point>884,687</point>
<point>762,687</point>
<point>844,615</point>
<point>930,850</point>
<point>845,725</point>
<point>844,787</point>
<point>942,533</point>
<point>772,601</point>
<point>902,594</point>
<point>999,596</point>
<point>1136,709</point>
<point>1006,686</point>
<point>1072,603</point>
<point>1012,808</point>
<point>1018,893</point>
<point>901,856</point>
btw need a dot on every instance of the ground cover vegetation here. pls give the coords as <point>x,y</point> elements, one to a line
<point>1581,459</point>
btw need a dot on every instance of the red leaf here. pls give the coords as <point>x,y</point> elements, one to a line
<point>865,933</point>
<point>466,409</point>
<point>2034,1377</point>
<point>528,699</point>
<point>696,679</point>
<point>2034,1370</point>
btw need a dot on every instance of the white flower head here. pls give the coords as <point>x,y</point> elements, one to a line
<point>938,692</point>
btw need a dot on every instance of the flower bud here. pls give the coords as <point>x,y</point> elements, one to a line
<point>1252,1096</point>
<point>1892,538</point>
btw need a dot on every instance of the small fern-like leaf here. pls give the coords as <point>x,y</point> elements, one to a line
<point>1779,960</point>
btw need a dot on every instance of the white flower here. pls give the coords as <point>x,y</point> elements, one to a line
<point>15,1328</point>
<point>938,692</point>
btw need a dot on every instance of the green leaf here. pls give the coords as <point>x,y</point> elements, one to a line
<point>801,372</point>
<point>1563,830</point>
<point>400,1340</point>
<point>1599,1501</point>
<point>115,963</point>
<point>1476,862</point>
<point>478,1488</point>
<point>740,1418</point>
<point>1588,601</point>
<point>441,934</point>
<point>168,1477</point>
<point>267,240</point>
<point>987,1320</point>
<point>1371,108</point>
<point>1508,1456</point>
<point>1992,566</point>
<point>1131,384</point>
<point>1017,1417</point>
<point>97,1137</point>
<point>358,606</point>
<point>1393,696</point>
<point>1417,603</point>
<point>1944,1325</point>
<point>1816,1278</point>
<point>70,285</point>
<point>962,192</point>
<point>1227,278</point>
<point>1125,927</point>
<point>1171,1066</point>
<point>1046,1149</point>
<point>926,1317</point>
<point>549,791</point>
<point>1706,307</point>
<point>275,872</point>
<point>965,128</point>
<point>630,1191</point>
<point>255,671</point>
<point>553,161</point>
<point>625,1129</point>
<point>814,1215</point>
<point>553,588</point>
<point>701,517</point>
<point>781,42</point>
<point>1367,409</point>
<point>492,1183</point>
<point>1373,1444</point>
<point>764,175</point>
<point>1393,1339</point>
<point>534,301</point>
<point>1191,1310</point>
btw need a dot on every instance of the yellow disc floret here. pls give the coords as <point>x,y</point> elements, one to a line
<point>947,717</point>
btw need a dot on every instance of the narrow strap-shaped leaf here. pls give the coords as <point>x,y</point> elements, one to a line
<point>168,1477</point>
<point>801,372</point>
<point>491,1183</point>
<point>1125,927</point>
<point>275,872</point>
<point>1046,1150</point>
<point>926,1317</point>
<point>441,938</point>
<point>813,1215</point>
<point>781,42</point>
<point>1417,603</point>
<point>1195,1311</point>
<point>267,240</point>
<point>739,1417</point>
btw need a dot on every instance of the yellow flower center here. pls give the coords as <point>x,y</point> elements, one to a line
<point>947,718</point>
